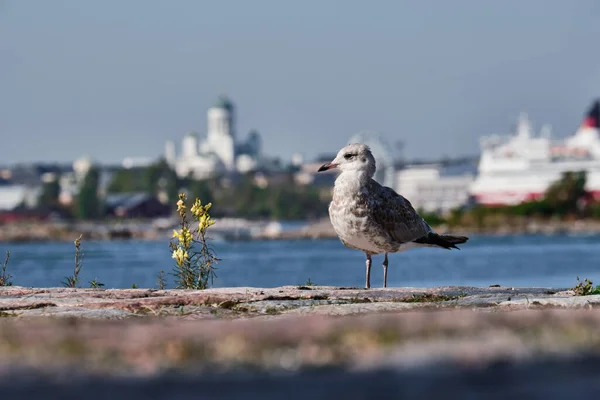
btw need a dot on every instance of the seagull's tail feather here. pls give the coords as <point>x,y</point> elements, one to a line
<point>443,241</point>
<point>453,240</point>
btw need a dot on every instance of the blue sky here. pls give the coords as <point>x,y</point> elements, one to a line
<point>116,78</point>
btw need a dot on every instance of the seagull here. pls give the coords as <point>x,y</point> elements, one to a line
<point>373,218</point>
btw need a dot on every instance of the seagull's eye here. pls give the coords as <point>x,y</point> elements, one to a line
<point>347,156</point>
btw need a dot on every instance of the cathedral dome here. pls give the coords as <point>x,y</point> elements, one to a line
<point>224,102</point>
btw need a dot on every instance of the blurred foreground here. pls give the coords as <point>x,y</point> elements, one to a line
<point>298,341</point>
<point>542,379</point>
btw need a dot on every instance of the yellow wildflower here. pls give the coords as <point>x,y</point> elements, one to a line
<point>205,221</point>
<point>197,208</point>
<point>180,205</point>
<point>186,235</point>
<point>178,255</point>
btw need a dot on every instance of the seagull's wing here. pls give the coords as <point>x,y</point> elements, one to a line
<point>396,216</point>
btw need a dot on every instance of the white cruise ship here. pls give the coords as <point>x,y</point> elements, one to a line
<point>520,167</point>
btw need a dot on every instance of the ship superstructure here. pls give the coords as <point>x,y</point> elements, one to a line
<point>521,166</point>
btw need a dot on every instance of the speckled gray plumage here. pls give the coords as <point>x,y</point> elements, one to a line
<point>373,218</point>
<point>369,217</point>
<point>376,213</point>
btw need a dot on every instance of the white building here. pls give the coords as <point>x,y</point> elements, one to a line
<point>521,165</point>
<point>219,151</point>
<point>70,182</point>
<point>13,196</point>
<point>430,188</point>
<point>136,162</point>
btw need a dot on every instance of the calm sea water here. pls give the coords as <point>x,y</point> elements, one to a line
<point>549,261</point>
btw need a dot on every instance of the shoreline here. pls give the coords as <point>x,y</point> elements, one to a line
<point>67,232</point>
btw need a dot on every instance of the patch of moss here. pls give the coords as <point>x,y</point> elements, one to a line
<point>6,314</point>
<point>271,311</point>
<point>356,300</point>
<point>228,304</point>
<point>427,298</point>
<point>241,308</point>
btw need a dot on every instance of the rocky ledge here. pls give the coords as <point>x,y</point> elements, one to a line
<point>143,331</point>
<point>247,302</point>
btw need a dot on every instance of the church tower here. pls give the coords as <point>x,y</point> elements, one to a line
<point>221,131</point>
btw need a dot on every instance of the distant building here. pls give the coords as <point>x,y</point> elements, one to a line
<point>22,184</point>
<point>135,205</point>
<point>70,181</point>
<point>297,159</point>
<point>137,162</point>
<point>219,151</point>
<point>308,175</point>
<point>81,167</point>
<point>5,176</point>
<point>435,187</point>
<point>15,196</point>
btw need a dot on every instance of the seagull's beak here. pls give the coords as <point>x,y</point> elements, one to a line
<point>327,166</point>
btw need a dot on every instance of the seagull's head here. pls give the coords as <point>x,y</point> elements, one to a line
<point>356,157</point>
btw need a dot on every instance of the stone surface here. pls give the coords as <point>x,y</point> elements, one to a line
<point>262,326</point>
<point>246,302</point>
<point>356,342</point>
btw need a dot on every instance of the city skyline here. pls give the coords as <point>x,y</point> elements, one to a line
<point>117,79</point>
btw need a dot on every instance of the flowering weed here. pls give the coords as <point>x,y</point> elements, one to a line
<point>193,269</point>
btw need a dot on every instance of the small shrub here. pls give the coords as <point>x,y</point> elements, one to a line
<point>193,269</point>
<point>71,281</point>
<point>95,284</point>
<point>585,288</point>
<point>160,281</point>
<point>5,276</point>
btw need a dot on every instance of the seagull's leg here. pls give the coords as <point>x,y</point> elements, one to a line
<point>385,265</point>
<point>368,282</point>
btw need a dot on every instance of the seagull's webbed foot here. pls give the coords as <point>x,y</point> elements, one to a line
<point>368,280</point>
<point>385,265</point>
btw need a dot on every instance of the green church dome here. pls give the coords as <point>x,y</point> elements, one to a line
<point>224,102</point>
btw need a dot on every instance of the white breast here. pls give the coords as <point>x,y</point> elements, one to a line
<point>361,242</point>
